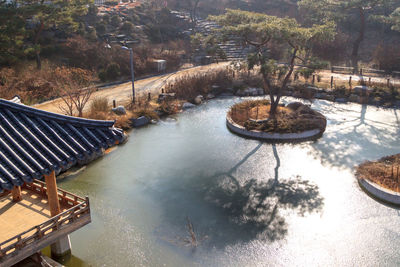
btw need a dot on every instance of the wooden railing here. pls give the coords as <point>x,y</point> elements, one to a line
<point>34,239</point>
<point>340,69</point>
<point>65,198</point>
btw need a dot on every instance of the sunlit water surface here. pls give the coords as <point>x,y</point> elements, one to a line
<point>251,203</point>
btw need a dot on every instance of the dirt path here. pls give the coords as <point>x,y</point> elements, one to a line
<point>326,74</point>
<point>122,93</point>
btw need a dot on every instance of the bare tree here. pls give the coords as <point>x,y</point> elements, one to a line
<point>75,99</point>
<point>75,89</point>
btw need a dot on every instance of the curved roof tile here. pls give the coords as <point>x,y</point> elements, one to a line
<point>34,142</point>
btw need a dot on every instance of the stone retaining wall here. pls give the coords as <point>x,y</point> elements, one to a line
<point>286,137</point>
<point>379,192</point>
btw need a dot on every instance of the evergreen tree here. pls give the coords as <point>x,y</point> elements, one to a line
<point>41,15</point>
<point>12,31</point>
<point>342,10</point>
<point>260,31</point>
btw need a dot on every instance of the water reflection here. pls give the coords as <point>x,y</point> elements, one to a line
<point>247,209</point>
<point>243,195</point>
<point>253,206</point>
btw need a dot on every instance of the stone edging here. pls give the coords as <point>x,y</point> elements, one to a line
<point>379,192</point>
<point>286,137</point>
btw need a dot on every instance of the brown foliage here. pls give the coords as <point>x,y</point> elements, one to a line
<point>190,86</point>
<point>286,120</point>
<point>74,88</point>
<point>384,172</point>
<point>335,51</point>
<point>34,85</point>
<point>387,57</point>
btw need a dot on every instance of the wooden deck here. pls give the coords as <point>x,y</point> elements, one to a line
<point>27,227</point>
<point>16,218</point>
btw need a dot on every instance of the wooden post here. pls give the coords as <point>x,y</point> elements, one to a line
<point>61,247</point>
<point>331,81</point>
<point>369,81</point>
<point>313,79</point>
<point>388,82</point>
<point>52,194</point>
<point>162,90</point>
<point>257,113</point>
<point>350,80</point>
<point>16,194</point>
<point>114,104</point>
<point>149,97</point>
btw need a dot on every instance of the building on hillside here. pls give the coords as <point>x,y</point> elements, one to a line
<point>35,146</point>
<point>99,2</point>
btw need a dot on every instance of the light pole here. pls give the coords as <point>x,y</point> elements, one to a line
<point>132,72</point>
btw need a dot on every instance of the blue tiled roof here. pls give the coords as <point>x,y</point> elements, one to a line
<point>34,142</point>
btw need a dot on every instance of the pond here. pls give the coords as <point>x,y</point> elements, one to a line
<point>250,203</point>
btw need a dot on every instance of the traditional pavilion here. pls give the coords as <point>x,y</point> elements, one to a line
<point>35,146</point>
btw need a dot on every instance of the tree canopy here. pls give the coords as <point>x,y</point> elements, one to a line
<point>343,10</point>
<point>23,23</point>
<point>12,32</point>
<point>260,31</point>
<point>395,20</point>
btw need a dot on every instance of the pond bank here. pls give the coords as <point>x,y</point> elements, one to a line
<point>194,167</point>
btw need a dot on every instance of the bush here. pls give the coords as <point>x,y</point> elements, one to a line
<point>34,85</point>
<point>83,54</point>
<point>148,113</point>
<point>115,20</point>
<point>387,57</point>
<point>112,72</point>
<point>99,104</point>
<point>127,27</point>
<point>101,28</point>
<point>190,86</point>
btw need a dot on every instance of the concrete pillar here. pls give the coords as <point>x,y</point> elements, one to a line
<point>61,248</point>
<point>16,194</point>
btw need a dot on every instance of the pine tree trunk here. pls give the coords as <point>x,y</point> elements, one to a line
<point>358,41</point>
<point>275,103</point>
<point>36,41</point>
<point>38,61</point>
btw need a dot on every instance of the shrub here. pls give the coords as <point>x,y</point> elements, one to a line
<point>115,20</point>
<point>34,85</point>
<point>112,72</point>
<point>387,57</point>
<point>101,28</point>
<point>146,112</point>
<point>127,27</point>
<point>305,73</point>
<point>190,86</point>
<point>99,104</point>
<point>82,54</point>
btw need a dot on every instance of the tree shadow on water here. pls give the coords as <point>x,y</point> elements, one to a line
<point>239,211</point>
<point>253,208</point>
<point>354,136</point>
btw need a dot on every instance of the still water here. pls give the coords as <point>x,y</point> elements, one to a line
<point>250,203</point>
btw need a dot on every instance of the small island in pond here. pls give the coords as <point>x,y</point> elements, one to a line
<point>293,122</point>
<point>381,178</point>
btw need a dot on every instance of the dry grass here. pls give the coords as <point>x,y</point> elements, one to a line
<point>99,104</point>
<point>384,172</point>
<point>34,85</point>
<point>248,113</point>
<point>190,86</point>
